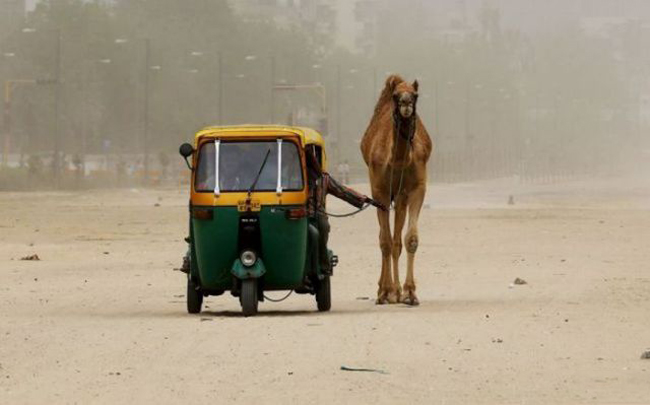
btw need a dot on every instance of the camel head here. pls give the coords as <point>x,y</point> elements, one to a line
<point>405,98</point>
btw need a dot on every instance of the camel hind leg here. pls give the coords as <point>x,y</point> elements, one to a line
<point>411,241</point>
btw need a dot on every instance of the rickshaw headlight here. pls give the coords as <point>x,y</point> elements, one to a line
<point>248,258</point>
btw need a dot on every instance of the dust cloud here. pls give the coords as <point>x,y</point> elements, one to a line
<point>540,115</point>
<point>101,93</point>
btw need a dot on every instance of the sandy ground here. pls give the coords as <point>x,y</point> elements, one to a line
<point>101,318</point>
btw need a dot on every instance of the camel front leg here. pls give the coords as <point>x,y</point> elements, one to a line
<point>412,241</point>
<point>385,293</point>
<point>400,218</point>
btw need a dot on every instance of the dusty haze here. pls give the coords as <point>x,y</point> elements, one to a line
<point>537,90</point>
<point>540,114</point>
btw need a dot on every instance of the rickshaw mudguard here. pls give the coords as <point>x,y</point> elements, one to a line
<point>312,260</point>
<point>242,272</point>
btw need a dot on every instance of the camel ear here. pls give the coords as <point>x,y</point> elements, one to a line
<point>416,85</point>
<point>392,81</point>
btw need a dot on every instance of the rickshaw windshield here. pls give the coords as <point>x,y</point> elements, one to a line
<point>240,163</point>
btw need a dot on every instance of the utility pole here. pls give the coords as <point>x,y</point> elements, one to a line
<point>7,121</point>
<point>436,99</point>
<point>220,91</point>
<point>147,56</point>
<point>272,89</point>
<point>338,113</point>
<point>57,93</point>
<point>374,84</point>
<point>468,94</point>
<point>8,92</point>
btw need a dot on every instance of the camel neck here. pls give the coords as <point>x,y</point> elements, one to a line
<point>402,139</point>
<point>405,128</point>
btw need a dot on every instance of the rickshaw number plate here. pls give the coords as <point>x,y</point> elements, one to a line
<point>253,205</point>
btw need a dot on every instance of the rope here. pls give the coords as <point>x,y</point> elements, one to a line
<point>401,176</point>
<point>280,300</point>
<point>391,206</point>
<point>345,215</point>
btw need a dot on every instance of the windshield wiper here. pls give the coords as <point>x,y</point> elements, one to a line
<point>252,187</point>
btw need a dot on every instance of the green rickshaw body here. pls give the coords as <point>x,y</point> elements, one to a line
<point>283,248</point>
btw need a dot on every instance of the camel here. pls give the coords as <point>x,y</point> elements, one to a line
<point>396,148</point>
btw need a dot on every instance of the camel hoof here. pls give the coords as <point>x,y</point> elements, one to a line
<point>381,301</point>
<point>393,298</point>
<point>410,299</point>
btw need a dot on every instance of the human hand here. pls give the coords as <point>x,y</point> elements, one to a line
<point>376,204</point>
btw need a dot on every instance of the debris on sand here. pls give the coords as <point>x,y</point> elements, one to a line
<point>519,281</point>
<point>511,200</point>
<point>497,340</point>
<point>645,355</point>
<point>363,370</point>
<point>363,298</point>
<point>31,257</point>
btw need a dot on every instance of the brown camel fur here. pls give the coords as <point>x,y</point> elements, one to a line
<point>396,148</point>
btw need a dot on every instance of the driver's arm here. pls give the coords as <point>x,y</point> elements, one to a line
<point>347,194</point>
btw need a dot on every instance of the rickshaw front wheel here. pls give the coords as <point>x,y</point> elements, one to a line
<point>324,295</point>
<point>248,297</point>
<point>194,298</point>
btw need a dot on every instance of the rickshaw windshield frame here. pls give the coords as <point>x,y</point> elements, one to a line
<point>236,162</point>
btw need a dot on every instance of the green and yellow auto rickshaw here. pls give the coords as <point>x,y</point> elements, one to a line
<point>250,229</point>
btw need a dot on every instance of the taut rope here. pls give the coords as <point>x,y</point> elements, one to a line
<point>409,140</point>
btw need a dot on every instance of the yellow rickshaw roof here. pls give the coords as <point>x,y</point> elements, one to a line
<point>307,135</point>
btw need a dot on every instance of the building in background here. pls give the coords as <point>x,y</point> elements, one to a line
<point>12,13</point>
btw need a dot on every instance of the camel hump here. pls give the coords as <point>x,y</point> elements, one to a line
<point>393,80</point>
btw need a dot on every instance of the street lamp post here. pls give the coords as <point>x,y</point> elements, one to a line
<point>8,92</point>
<point>145,109</point>
<point>57,93</point>
<point>6,120</point>
<point>90,79</point>
<point>338,113</point>
<point>147,53</point>
<point>220,89</point>
<point>272,91</point>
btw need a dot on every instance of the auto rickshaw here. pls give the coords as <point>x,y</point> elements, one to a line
<point>250,229</point>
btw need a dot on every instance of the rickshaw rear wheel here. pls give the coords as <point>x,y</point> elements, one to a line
<point>324,295</point>
<point>248,297</point>
<point>194,298</point>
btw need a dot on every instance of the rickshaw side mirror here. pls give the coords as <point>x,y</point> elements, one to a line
<point>186,150</point>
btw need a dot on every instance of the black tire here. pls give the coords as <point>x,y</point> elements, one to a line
<point>194,298</point>
<point>248,297</point>
<point>324,295</point>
